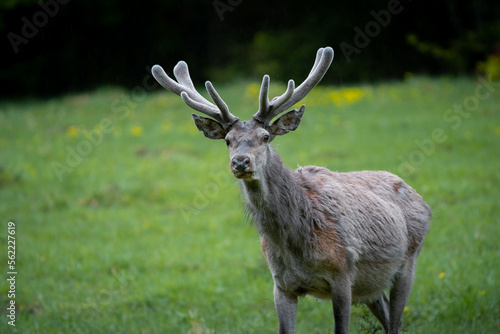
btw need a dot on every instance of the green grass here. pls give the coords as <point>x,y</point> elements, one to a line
<point>144,232</point>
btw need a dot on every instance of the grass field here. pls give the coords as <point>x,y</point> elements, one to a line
<point>127,219</point>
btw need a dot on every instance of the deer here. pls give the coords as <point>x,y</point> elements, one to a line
<point>340,236</point>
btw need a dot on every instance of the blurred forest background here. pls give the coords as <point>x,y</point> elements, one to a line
<point>58,46</point>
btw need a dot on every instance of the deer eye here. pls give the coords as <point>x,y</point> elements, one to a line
<point>228,142</point>
<point>265,138</point>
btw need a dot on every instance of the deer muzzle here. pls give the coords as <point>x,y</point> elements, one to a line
<point>241,166</point>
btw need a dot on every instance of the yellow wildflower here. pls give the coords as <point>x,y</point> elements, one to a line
<point>136,131</point>
<point>351,95</point>
<point>72,131</point>
<point>252,90</point>
<point>336,98</point>
<point>441,275</point>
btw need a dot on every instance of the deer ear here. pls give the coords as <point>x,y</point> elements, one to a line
<point>288,122</point>
<point>210,128</point>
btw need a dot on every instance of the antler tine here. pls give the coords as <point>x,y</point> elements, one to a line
<point>201,107</point>
<point>278,101</point>
<point>227,117</point>
<point>324,58</point>
<point>319,53</point>
<point>181,72</point>
<point>185,88</point>
<point>265,107</point>
<point>264,96</point>
<point>269,110</point>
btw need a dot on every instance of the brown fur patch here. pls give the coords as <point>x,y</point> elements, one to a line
<point>330,247</point>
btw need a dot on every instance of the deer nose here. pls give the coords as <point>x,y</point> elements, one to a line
<point>240,163</point>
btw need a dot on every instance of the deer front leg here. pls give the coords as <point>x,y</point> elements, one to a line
<point>341,299</point>
<point>286,308</point>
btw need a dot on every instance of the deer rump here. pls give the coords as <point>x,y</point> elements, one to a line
<point>369,225</point>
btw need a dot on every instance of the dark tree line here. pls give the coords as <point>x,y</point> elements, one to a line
<point>57,46</point>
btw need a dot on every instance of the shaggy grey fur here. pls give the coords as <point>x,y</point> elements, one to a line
<point>340,236</point>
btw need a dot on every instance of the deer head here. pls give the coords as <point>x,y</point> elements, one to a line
<point>248,141</point>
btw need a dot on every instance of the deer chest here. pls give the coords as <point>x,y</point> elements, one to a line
<point>296,274</point>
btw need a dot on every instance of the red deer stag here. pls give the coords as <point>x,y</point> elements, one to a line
<point>345,237</point>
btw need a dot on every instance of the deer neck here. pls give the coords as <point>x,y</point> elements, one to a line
<point>279,205</point>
